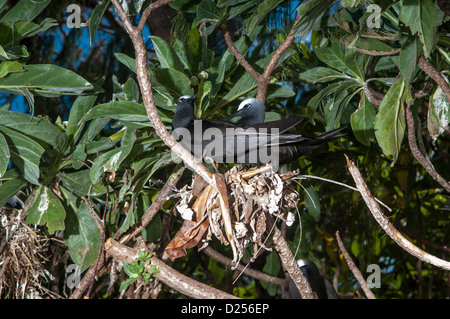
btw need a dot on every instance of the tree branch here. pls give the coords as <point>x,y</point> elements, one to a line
<point>383,221</point>
<point>420,157</point>
<point>241,59</point>
<point>435,75</point>
<point>354,269</point>
<point>290,264</point>
<point>167,275</point>
<point>263,81</point>
<point>148,10</point>
<point>147,94</point>
<point>247,271</point>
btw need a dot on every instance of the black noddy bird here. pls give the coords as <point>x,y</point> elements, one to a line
<point>251,111</point>
<point>254,144</point>
<point>319,284</point>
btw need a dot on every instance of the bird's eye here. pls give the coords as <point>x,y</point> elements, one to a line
<point>246,106</point>
<point>181,99</point>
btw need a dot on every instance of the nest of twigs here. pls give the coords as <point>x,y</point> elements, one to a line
<point>254,196</point>
<point>22,251</point>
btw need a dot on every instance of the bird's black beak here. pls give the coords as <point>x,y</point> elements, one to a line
<point>235,114</point>
<point>192,98</point>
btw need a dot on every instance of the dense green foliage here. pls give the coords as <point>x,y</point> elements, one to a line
<point>104,155</point>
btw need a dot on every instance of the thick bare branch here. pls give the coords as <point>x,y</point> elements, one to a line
<point>241,59</point>
<point>147,95</point>
<point>354,269</point>
<point>148,10</point>
<point>383,221</point>
<point>290,264</point>
<point>435,75</point>
<point>263,81</point>
<point>420,157</point>
<point>167,275</point>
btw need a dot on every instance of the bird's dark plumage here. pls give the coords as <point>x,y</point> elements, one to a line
<point>252,144</point>
<point>319,284</point>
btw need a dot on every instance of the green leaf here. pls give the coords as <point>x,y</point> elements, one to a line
<point>82,236</point>
<point>350,3</point>
<point>272,267</point>
<point>38,129</point>
<point>25,153</point>
<point>390,121</point>
<point>312,202</point>
<point>315,101</point>
<point>131,91</point>
<point>14,52</point>
<point>185,5</point>
<point>408,59</point>
<point>125,284</point>
<point>261,12</point>
<point>118,110</point>
<point>167,56</point>
<point>46,77</point>
<point>321,75</point>
<point>25,10</point>
<point>422,18</point>
<point>362,122</point>
<point>96,17</point>
<point>7,67</point>
<point>109,162</point>
<point>80,184</point>
<point>369,44</point>
<point>79,108</point>
<point>355,248</point>
<point>276,91</point>
<point>207,11</point>
<point>10,188</point>
<point>129,62</point>
<point>133,7</point>
<point>333,56</point>
<point>47,210</point>
<point>311,13</point>
<point>171,82</point>
<point>229,3</point>
<point>4,155</point>
<point>241,8</point>
<point>29,29</point>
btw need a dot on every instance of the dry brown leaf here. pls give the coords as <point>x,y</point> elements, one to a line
<point>192,231</point>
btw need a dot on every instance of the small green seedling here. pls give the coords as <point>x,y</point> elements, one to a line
<point>136,270</point>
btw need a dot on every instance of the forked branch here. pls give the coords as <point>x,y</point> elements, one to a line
<point>263,79</point>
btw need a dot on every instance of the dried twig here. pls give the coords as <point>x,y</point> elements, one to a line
<point>383,221</point>
<point>420,157</point>
<point>248,271</point>
<point>354,269</point>
<point>156,205</point>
